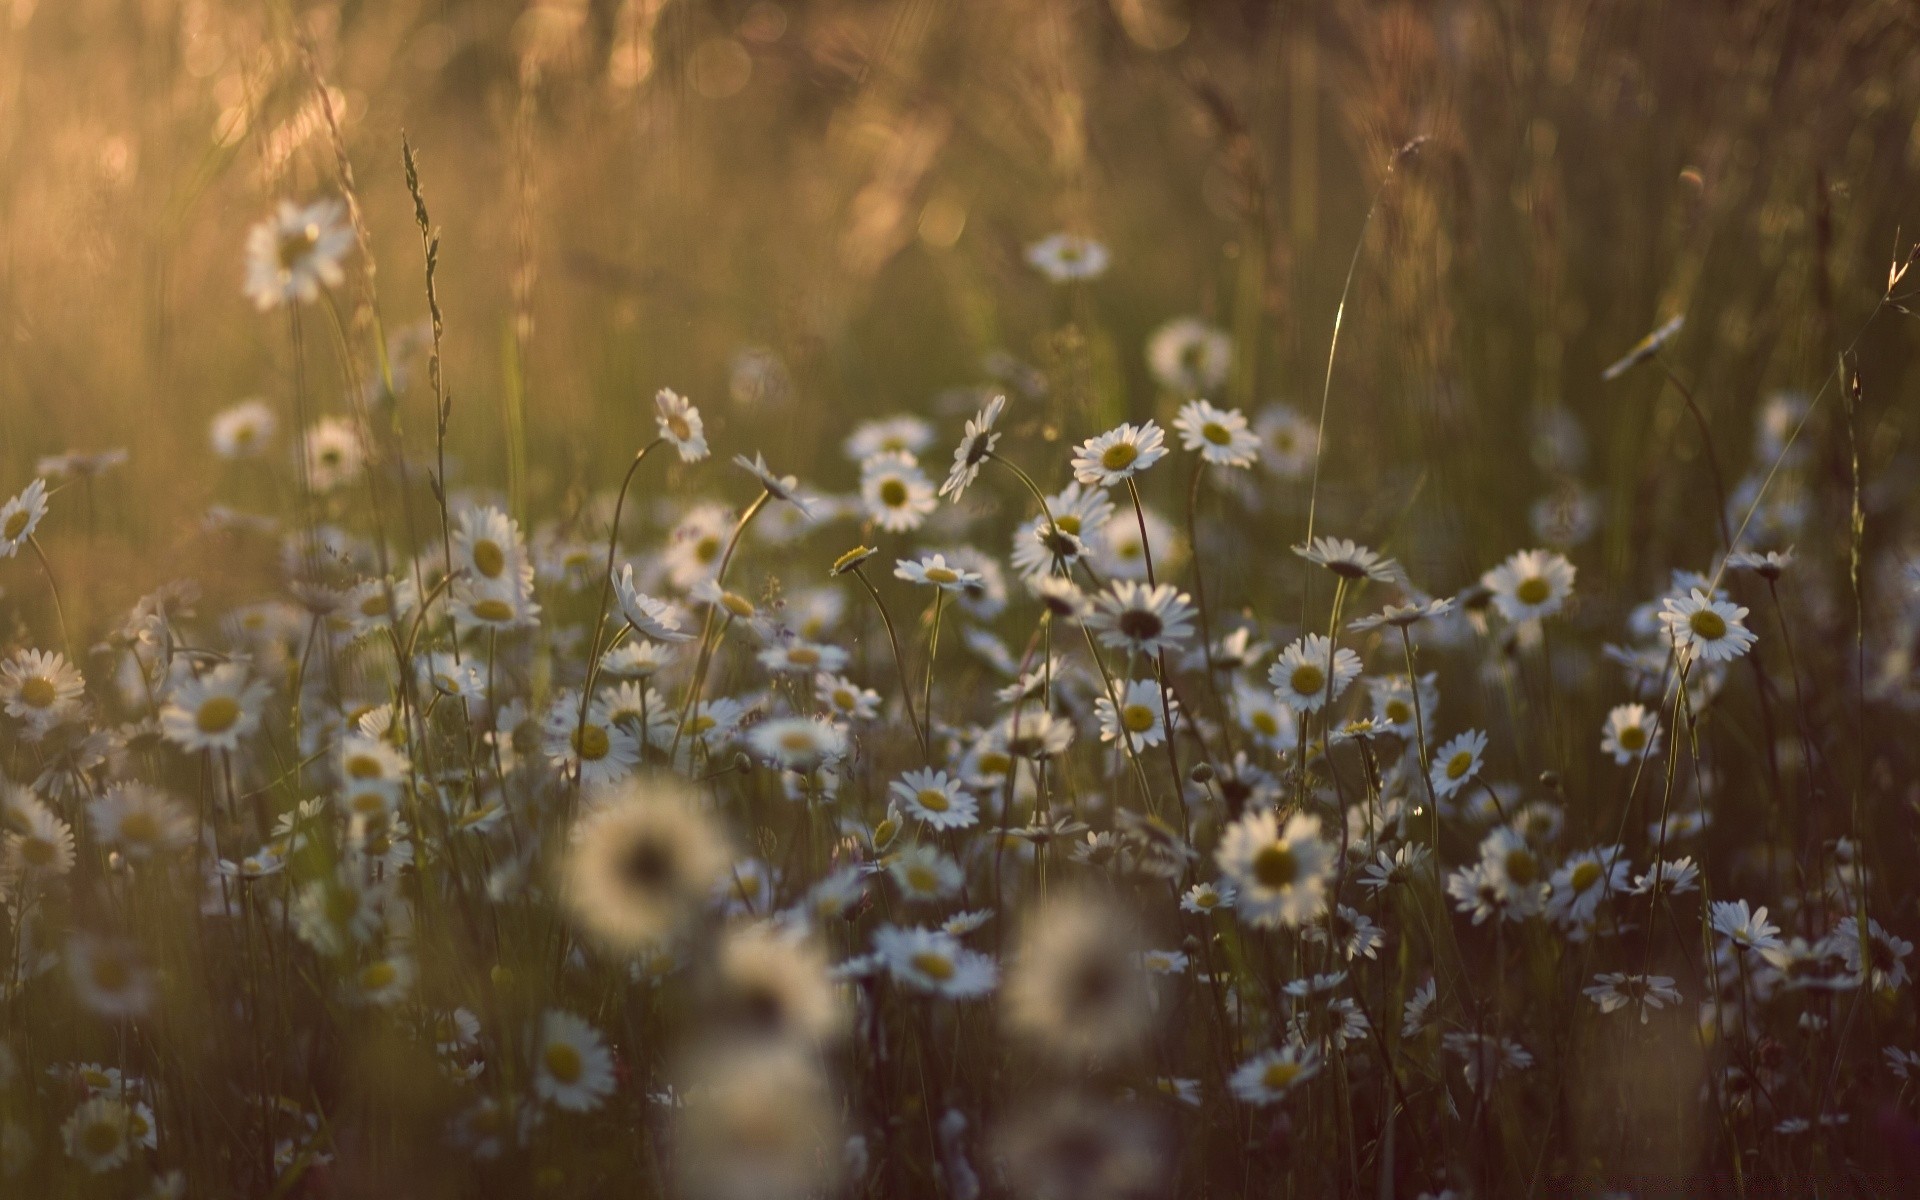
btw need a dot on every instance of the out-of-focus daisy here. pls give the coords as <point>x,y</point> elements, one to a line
<point>934,570</point>
<point>1280,875</point>
<point>297,251</point>
<point>1138,714</point>
<point>383,982</point>
<point>934,961</point>
<point>1585,879</point>
<point>888,435</point>
<point>20,516</point>
<point>761,1123</point>
<point>640,863</point>
<point>924,874</point>
<point>798,743</point>
<point>39,845</point>
<point>1119,454</point>
<point>975,445</point>
<point>1268,1077</point>
<point>936,798</point>
<point>847,700</point>
<point>776,987</point>
<point>1142,620</point>
<point>1402,865</point>
<point>1884,965</point>
<point>1348,559</point>
<point>657,619</point>
<point>1457,762</point>
<point>1530,585</point>
<point>1632,730</point>
<point>1204,898</point>
<point>1613,991</point>
<point>1220,435</point>
<point>780,487</point>
<point>1289,442</point>
<point>1064,257</point>
<point>1707,629</point>
<point>1646,347</point>
<point>98,1135</point>
<point>1769,566</point>
<point>335,453</point>
<point>1188,355</point>
<point>215,710</point>
<point>1075,989</point>
<point>41,689</point>
<point>140,821</point>
<point>1300,676</point>
<point>109,978</point>
<point>896,494</point>
<point>1747,929</point>
<point>243,430</point>
<point>573,1069</point>
<point>679,422</point>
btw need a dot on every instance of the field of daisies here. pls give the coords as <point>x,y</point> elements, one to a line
<point>1341,720</point>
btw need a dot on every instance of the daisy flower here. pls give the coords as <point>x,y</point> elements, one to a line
<point>798,743</point>
<point>1188,355</point>
<point>1705,628</point>
<point>1401,866</point>
<point>98,1135</point>
<point>975,445</point>
<point>1583,881</point>
<point>1204,898</point>
<point>1402,616</point>
<point>1457,762</point>
<point>574,1068</point>
<point>20,516</point>
<point>1769,566</point>
<point>334,453</point>
<point>1075,988</point>
<point>934,570</point>
<point>1065,257</point>
<point>1673,878</point>
<point>140,821</point>
<point>931,960</point>
<point>1060,596</point>
<point>847,700</point>
<point>1614,991</point>
<point>40,844</point>
<point>1119,454</point>
<point>109,978</point>
<point>1747,929</point>
<point>923,873</point>
<point>1138,714</point>
<point>936,798</point>
<point>907,435</point>
<point>1632,730</point>
<point>656,619</point>
<point>603,752</point>
<point>1347,559</point>
<point>896,494</point>
<point>1299,677</point>
<point>775,987</point>
<point>1142,620</point>
<point>1280,874</point>
<point>1884,966</point>
<point>1530,585</point>
<point>41,689</point>
<point>1267,1078</point>
<point>243,430</point>
<point>297,251</point>
<point>216,710</point>
<point>780,487</point>
<point>1289,442</point>
<point>640,863</point>
<point>1220,435</point>
<point>679,422</point>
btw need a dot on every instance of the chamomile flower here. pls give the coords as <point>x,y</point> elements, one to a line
<point>1530,585</point>
<point>244,430</point>
<point>1119,454</point>
<point>1269,1077</point>
<point>975,445</point>
<point>20,516</point>
<point>109,977</point>
<point>1076,989</point>
<point>1301,679</point>
<point>845,699</point>
<point>1706,629</point>
<point>1769,566</point>
<point>216,710</point>
<point>930,960</point>
<point>1614,991</point>
<point>40,844</point>
<point>1280,875</point>
<point>1744,928</point>
<point>1065,257</point>
<point>659,620</point>
<point>41,689</point>
<point>1457,763</point>
<point>1402,616</point>
<point>889,435</point>
<point>936,798</point>
<point>1349,560</point>
<point>780,487</point>
<point>1204,898</point>
<point>1673,878</point>
<point>140,821</point>
<point>1632,731</point>
<point>1188,355</point>
<point>98,1135</point>
<point>640,863</point>
<point>1289,442</point>
<point>573,1069</point>
<point>1884,965</point>
<point>933,570</point>
<point>798,743</point>
<point>296,252</point>
<point>1138,716</point>
<point>601,751</point>
<point>1220,435</point>
<point>896,494</point>
<point>335,453</point>
<point>1142,620</point>
<point>924,874</point>
<point>1583,881</point>
<point>679,422</point>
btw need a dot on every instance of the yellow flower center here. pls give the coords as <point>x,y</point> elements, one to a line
<point>679,427</point>
<point>378,976</point>
<point>1521,868</point>
<point>1137,718</point>
<point>1275,866</point>
<point>364,766</point>
<point>1307,680</point>
<point>37,851</point>
<point>1215,432</point>
<point>1707,625</point>
<point>1460,764</point>
<point>1397,711</point>
<point>934,800</point>
<point>1534,590</point>
<point>737,604</point>
<point>591,742</point>
<point>932,965</point>
<point>563,1062</point>
<point>17,524</point>
<point>493,610</point>
<point>1632,738</point>
<point>1280,1075</point>
<point>111,973</point>
<point>893,493</point>
<point>1119,456</point>
<point>1265,724</point>
<point>942,575</point>
<point>805,656</point>
<point>217,714</point>
<point>922,878</point>
<point>489,559</point>
<point>1585,876</point>
<point>296,244</point>
<point>101,1138</point>
<point>38,692</point>
<point>139,827</point>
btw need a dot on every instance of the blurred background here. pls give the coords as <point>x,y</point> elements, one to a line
<point>804,213</point>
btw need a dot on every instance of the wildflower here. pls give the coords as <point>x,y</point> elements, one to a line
<point>1614,991</point>
<point>798,743</point>
<point>1675,878</point>
<point>777,987</point>
<point>934,961</point>
<point>1072,1147</point>
<point>335,453</point>
<point>108,977</point>
<point>1418,1016</point>
<point>1486,1055</point>
<point>1704,628</point>
<point>574,1068</point>
<point>907,435</point>
<point>765,1125</point>
<point>679,422</point>
<point>1769,566</point>
<point>1457,762</point>
<point>601,751</point>
<point>798,657</point>
<point>1631,731</point>
<point>1401,866</point>
<point>923,873</point>
<point>98,1135</point>
<point>140,821</point>
<point>936,798</point>
<point>1219,434</point>
<point>977,443</point>
<point>383,982</point>
<point>1402,616</point>
<point>1352,932</point>
<point>215,711</point>
<point>846,700</point>
<point>1076,990</point>
<point>1744,928</point>
<point>897,495</point>
<point>1061,597</point>
<point>1141,620</point>
<point>1583,881</point>
<point>1289,442</point>
<point>41,689</point>
<point>297,251</point>
<point>1138,715</point>
<point>1645,348</point>
<point>640,863</point>
<point>1065,257</point>
<point>39,846</point>
<point>1119,454</point>
<point>656,619</point>
<point>934,570</point>
<point>780,487</point>
<point>1300,677</point>
<point>1280,875</point>
<point>1190,356</point>
<point>1348,560</point>
<point>1530,585</point>
<point>1509,880</point>
<point>243,430</point>
<point>1268,1077</point>
<point>1884,966</point>
<point>1204,898</point>
<point>20,516</point>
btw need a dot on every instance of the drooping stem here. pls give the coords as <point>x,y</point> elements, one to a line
<point>606,591</point>
<point>933,654</point>
<point>899,663</point>
<point>698,683</point>
<point>59,612</point>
